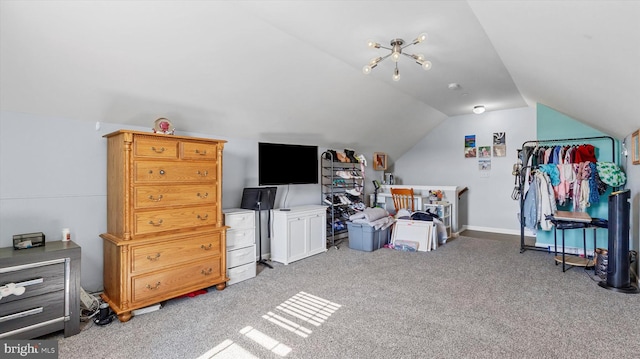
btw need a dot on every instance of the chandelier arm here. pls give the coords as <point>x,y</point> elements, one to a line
<point>407,45</point>
<point>409,55</point>
<point>384,57</point>
<point>386,48</point>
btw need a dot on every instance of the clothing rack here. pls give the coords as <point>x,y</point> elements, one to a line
<point>523,169</point>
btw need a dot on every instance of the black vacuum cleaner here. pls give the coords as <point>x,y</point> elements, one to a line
<point>618,266</point>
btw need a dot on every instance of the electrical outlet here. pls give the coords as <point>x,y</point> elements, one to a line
<point>87,300</point>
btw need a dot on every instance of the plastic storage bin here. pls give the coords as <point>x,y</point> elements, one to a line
<point>363,237</point>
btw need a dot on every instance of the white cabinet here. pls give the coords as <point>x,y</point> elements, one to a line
<point>442,210</point>
<point>241,244</point>
<point>298,233</point>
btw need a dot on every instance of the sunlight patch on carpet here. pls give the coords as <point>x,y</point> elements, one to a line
<point>227,350</point>
<point>266,341</point>
<point>287,324</point>
<point>309,308</point>
<point>302,306</point>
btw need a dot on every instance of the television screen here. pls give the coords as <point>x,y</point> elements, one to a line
<point>287,164</point>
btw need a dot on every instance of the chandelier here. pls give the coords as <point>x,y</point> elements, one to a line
<point>396,50</point>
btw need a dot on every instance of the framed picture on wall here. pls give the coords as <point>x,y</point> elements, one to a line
<point>379,161</point>
<point>635,148</point>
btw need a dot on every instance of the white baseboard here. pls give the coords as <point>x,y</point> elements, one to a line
<point>515,232</point>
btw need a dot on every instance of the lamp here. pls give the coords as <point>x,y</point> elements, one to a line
<point>478,109</point>
<point>396,50</point>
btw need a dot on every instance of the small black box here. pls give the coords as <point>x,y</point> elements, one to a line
<point>28,240</point>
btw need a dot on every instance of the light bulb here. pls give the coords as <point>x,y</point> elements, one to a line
<point>396,75</point>
<point>478,109</point>
<point>373,44</point>
<point>419,57</point>
<point>395,56</point>
<point>375,61</point>
<point>426,65</point>
<point>366,70</point>
<point>422,37</point>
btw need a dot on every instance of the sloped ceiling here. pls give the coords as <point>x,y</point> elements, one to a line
<point>290,71</point>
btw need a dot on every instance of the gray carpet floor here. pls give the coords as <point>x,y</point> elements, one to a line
<point>471,298</point>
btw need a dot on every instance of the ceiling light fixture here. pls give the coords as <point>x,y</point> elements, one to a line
<point>396,50</point>
<point>478,109</point>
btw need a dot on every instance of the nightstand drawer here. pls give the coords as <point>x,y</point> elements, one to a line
<point>240,273</point>
<point>241,256</point>
<point>240,238</point>
<point>240,220</point>
<point>36,281</point>
<point>30,311</point>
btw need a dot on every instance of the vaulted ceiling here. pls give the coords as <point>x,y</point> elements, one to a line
<point>291,71</point>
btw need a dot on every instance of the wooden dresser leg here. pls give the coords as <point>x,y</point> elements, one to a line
<point>124,317</point>
<point>221,286</point>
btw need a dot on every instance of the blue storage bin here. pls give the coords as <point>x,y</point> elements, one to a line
<point>363,237</point>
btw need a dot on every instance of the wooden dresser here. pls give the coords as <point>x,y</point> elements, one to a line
<point>165,233</point>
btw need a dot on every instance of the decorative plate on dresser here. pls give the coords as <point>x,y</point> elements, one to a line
<point>165,233</point>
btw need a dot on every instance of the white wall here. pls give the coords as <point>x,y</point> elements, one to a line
<point>53,175</point>
<point>438,160</point>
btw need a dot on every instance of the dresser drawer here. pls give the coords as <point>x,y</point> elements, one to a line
<point>171,219</point>
<point>241,256</point>
<point>240,220</point>
<point>240,273</point>
<point>29,311</point>
<point>200,274</point>
<point>36,281</point>
<point>175,195</point>
<point>175,171</point>
<point>199,151</point>
<point>238,238</point>
<point>155,147</point>
<point>161,255</point>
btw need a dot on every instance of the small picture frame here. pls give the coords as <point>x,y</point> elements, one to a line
<point>379,161</point>
<point>635,148</point>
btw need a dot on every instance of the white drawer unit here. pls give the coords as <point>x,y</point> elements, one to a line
<point>241,244</point>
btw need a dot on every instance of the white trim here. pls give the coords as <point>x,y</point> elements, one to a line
<point>515,232</point>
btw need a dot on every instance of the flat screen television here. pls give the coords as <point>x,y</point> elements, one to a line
<point>280,164</point>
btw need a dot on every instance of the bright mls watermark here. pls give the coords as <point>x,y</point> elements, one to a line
<point>45,349</point>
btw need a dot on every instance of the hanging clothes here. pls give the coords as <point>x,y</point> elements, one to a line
<point>585,153</point>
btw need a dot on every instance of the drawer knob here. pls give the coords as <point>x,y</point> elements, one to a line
<point>207,272</point>
<point>202,153</point>
<point>206,216</point>
<point>155,199</point>
<point>203,196</point>
<point>161,172</point>
<point>156,224</point>
<point>203,174</point>
<point>153,259</point>
<point>154,287</point>
<point>206,248</point>
<point>157,150</point>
